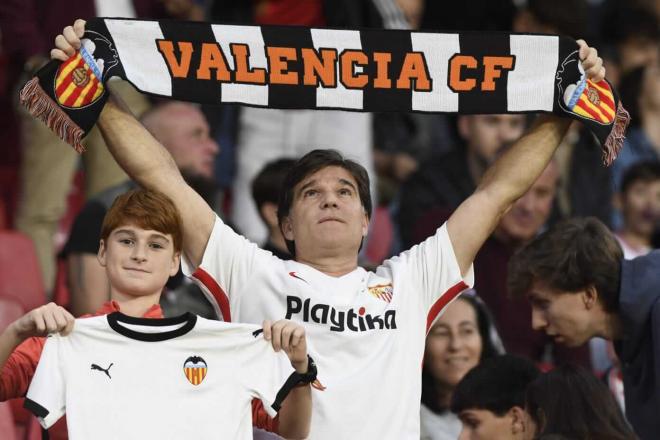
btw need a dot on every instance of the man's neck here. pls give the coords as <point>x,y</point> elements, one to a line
<point>277,240</point>
<point>135,306</point>
<point>611,327</point>
<point>332,266</point>
<point>635,240</point>
<point>476,167</point>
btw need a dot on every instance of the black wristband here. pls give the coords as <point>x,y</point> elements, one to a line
<point>294,380</point>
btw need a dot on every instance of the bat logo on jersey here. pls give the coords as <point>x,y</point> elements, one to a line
<point>339,321</point>
<point>583,97</point>
<point>195,369</point>
<point>382,291</point>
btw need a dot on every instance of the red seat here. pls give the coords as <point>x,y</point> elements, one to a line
<point>7,427</point>
<point>20,275</point>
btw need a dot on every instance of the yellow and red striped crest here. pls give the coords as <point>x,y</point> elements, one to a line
<point>383,292</point>
<point>195,369</point>
<point>596,102</point>
<point>76,85</point>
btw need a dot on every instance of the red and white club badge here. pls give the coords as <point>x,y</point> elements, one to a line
<point>195,369</point>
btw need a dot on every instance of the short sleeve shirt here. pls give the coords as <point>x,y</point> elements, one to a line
<point>366,330</point>
<point>133,378</point>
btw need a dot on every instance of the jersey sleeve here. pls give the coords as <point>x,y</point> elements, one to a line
<point>266,374</point>
<point>432,267</point>
<point>19,369</point>
<point>46,395</point>
<point>229,259</point>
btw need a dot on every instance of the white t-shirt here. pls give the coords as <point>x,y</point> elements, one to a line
<point>118,377</point>
<point>366,330</point>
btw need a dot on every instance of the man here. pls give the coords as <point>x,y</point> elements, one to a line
<point>579,286</point>
<point>183,130</point>
<point>368,327</point>
<point>141,243</point>
<point>490,399</point>
<point>446,180</point>
<point>639,203</point>
<point>266,188</point>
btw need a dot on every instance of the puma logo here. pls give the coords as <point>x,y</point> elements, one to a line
<point>105,370</point>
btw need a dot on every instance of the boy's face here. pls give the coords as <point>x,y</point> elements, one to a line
<point>138,262</point>
<point>641,207</point>
<point>565,316</point>
<point>482,424</point>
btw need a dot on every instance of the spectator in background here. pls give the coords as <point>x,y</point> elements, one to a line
<point>48,164</point>
<point>569,401</point>
<point>563,17</point>
<point>579,286</point>
<point>462,337</point>
<point>519,225</point>
<point>183,130</point>
<point>490,399</point>
<point>640,93</point>
<point>444,181</point>
<point>639,203</point>
<point>266,189</point>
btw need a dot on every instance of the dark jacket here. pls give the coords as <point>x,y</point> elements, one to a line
<point>639,349</point>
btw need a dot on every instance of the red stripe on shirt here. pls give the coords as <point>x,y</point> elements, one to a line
<point>218,294</point>
<point>444,299</point>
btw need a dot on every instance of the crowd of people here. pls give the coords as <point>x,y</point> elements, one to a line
<point>512,282</point>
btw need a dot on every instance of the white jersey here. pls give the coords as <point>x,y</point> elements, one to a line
<point>118,377</point>
<point>366,330</point>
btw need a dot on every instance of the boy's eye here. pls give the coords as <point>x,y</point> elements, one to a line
<point>157,246</point>
<point>126,241</point>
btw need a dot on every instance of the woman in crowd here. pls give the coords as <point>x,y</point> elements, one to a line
<point>571,403</point>
<point>462,337</point>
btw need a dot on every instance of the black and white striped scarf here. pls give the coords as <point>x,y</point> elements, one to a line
<point>290,67</point>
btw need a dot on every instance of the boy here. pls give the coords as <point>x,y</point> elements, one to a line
<point>141,242</point>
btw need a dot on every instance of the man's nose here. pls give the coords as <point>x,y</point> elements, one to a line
<point>538,320</point>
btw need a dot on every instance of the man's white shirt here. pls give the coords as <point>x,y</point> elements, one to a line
<point>118,377</point>
<point>365,330</point>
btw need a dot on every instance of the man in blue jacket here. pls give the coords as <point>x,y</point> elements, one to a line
<point>579,286</point>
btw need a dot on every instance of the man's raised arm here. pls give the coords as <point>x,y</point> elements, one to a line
<point>511,176</point>
<point>144,159</point>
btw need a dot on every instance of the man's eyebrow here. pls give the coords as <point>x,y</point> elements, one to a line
<point>348,183</point>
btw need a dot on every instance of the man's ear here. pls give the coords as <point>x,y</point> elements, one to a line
<point>590,297</point>
<point>176,260</point>
<point>365,224</point>
<point>287,229</point>
<point>101,254</point>
<point>269,213</point>
<point>518,424</point>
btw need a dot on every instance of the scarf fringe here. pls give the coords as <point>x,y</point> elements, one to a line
<point>42,107</point>
<point>615,139</point>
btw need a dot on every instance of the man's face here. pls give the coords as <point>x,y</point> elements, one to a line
<point>530,212</point>
<point>481,424</point>
<point>641,207</point>
<point>453,346</point>
<point>138,261</point>
<point>564,316</point>
<point>488,135</point>
<point>327,216</point>
<point>186,135</point>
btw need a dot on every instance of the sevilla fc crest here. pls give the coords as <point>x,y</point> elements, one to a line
<point>195,369</point>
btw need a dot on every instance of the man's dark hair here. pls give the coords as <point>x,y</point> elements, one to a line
<point>569,257</point>
<point>568,17</point>
<point>267,185</point>
<point>309,164</point>
<point>625,21</point>
<point>572,402</point>
<point>496,384</point>
<point>646,172</point>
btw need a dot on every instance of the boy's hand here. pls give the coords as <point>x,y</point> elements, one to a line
<point>290,337</point>
<point>42,321</point>
<point>68,42</point>
<point>591,62</point>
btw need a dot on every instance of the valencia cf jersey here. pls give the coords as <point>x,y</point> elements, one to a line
<point>365,330</point>
<point>118,377</point>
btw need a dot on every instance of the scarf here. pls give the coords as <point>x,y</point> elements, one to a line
<point>289,67</point>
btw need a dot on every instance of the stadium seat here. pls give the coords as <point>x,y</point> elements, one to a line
<point>20,276</point>
<point>7,427</point>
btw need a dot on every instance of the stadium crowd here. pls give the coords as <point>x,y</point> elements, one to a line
<point>559,336</point>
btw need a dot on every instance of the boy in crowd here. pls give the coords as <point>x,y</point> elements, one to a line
<point>140,248</point>
<point>490,399</point>
<point>580,286</point>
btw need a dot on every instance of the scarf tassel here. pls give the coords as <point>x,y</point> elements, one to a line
<point>615,139</point>
<point>42,107</point>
